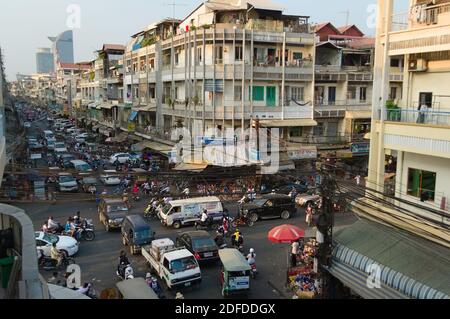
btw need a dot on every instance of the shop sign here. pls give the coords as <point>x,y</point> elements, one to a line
<point>360,148</point>
<point>303,153</point>
<point>131,126</point>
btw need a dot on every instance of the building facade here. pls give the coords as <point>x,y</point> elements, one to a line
<point>413,132</point>
<point>44,61</point>
<point>62,48</point>
<point>226,66</point>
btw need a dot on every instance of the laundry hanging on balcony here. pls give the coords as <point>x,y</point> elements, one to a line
<point>133,116</point>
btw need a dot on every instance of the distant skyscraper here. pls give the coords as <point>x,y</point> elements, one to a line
<point>63,48</point>
<point>44,61</point>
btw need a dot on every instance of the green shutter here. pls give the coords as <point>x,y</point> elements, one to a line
<point>258,93</point>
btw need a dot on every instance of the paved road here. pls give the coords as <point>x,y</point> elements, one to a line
<point>98,258</point>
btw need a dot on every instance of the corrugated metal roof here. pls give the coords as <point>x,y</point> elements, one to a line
<point>407,261</point>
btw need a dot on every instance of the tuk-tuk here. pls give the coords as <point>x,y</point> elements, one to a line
<point>140,175</point>
<point>234,273</point>
<point>136,288</point>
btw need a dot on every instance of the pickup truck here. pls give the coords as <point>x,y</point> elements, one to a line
<point>177,267</point>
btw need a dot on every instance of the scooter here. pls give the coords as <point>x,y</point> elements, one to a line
<point>126,272</point>
<point>47,263</point>
<point>150,211</point>
<point>253,271</point>
<point>209,225</point>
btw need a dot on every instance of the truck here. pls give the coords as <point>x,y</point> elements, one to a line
<point>177,267</point>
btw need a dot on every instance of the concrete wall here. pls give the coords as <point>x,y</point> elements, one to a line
<point>435,82</point>
<point>440,166</point>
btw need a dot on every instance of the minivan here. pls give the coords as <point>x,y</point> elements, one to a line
<point>188,211</point>
<point>48,135</point>
<point>136,233</point>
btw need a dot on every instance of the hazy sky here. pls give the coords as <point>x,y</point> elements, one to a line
<point>25,24</point>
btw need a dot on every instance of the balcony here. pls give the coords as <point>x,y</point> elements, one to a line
<point>325,140</point>
<point>426,117</point>
<point>425,30</point>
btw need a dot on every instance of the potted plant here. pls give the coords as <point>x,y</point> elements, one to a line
<point>393,111</point>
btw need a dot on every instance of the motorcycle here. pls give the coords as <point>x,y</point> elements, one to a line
<point>151,211</point>
<point>245,199</point>
<point>47,263</point>
<point>126,272</point>
<point>241,220</point>
<point>209,225</point>
<point>220,241</point>
<point>86,232</point>
<point>253,271</point>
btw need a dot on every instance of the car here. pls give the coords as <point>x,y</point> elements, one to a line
<point>65,244</point>
<point>51,145</point>
<point>270,206</point>
<point>87,182</point>
<point>112,212</point>
<point>27,124</point>
<point>303,200</point>
<point>67,183</point>
<point>285,189</point>
<point>110,177</point>
<point>35,145</point>
<point>136,233</point>
<point>80,166</point>
<point>200,244</point>
<point>119,157</point>
<point>66,159</point>
<point>60,147</point>
<point>83,135</point>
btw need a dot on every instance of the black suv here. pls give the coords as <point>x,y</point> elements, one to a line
<point>270,206</point>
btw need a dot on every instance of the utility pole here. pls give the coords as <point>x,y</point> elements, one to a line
<point>347,16</point>
<point>324,222</point>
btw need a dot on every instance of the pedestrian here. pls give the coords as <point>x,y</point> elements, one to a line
<point>295,251</point>
<point>309,213</point>
<point>358,179</point>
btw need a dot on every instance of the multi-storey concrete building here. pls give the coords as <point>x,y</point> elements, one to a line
<point>225,66</point>
<point>62,48</point>
<point>416,131</point>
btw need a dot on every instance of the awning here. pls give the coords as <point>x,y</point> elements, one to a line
<point>133,116</point>
<point>358,114</point>
<point>125,106</point>
<point>191,167</point>
<point>287,123</point>
<point>107,106</point>
<point>158,147</point>
<point>122,137</point>
<point>99,107</point>
<point>92,105</point>
<point>409,266</point>
<point>147,108</point>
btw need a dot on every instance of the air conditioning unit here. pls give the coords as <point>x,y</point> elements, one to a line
<point>419,65</point>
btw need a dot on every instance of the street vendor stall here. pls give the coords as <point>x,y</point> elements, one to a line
<point>300,275</point>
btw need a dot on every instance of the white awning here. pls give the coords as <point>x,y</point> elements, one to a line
<point>287,123</point>
<point>191,167</point>
<point>107,106</point>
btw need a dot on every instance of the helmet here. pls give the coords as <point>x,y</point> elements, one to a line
<point>148,276</point>
<point>252,250</point>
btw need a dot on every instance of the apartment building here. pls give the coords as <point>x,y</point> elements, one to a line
<point>68,77</point>
<point>102,89</point>
<point>226,66</point>
<point>343,93</point>
<point>413,133</point>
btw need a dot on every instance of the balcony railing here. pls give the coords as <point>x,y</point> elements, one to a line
<point>419,17</point>
<point>344,103</point>
<point>425,117</point>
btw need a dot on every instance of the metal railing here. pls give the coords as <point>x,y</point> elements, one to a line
<point>419,17</point>
<point>425,117</point>
<point>344,103</point>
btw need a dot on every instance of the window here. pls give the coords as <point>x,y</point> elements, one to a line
<point>176,93</point>
<point>421,184</point>
<point>363,93</point>
<point>177,58</point>
<point>238,93</point>
<point>258,93</point>
<point>297,93</point>
<point>351,93</point>
<point>393,94</point>
<point>219,54</point>
<point>295,131</point>
<point>395,63</point>
<point>298,56</point>
<point>199,55</point>
<point>318,130</point>
<point>238,54</point>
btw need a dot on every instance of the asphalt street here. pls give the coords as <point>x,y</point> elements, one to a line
<point>98,259</point>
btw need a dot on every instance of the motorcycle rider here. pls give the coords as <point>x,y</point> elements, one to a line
<point>237,239</point>
<point>204,220</point>
<point>45,227</point>
<point>220,241</point>
<point>123,262</point>
<point>55,255</point>
<point>251,257</point>
<point>77,219</point>
<point>52,225</point>
<point>85,289</point>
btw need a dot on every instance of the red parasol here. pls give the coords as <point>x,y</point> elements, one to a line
<point>286,234</point>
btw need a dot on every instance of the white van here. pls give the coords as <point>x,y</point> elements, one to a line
<point>188,211</point>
